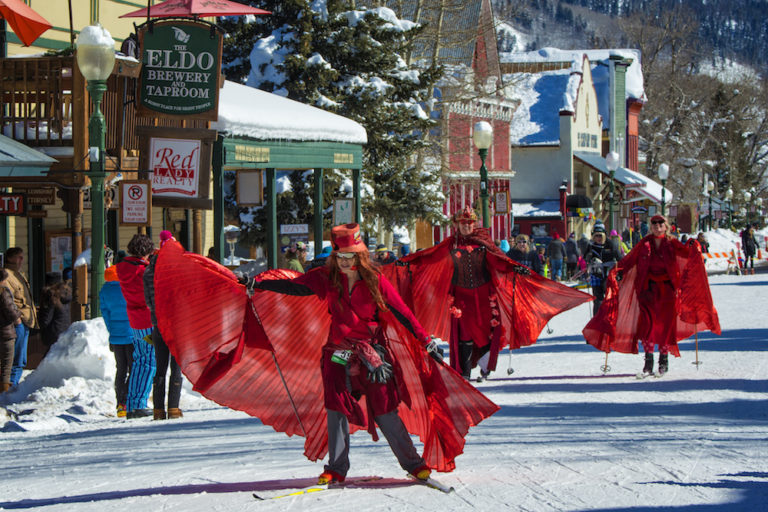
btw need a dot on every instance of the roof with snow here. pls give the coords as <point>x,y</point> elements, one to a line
<point>545,93</point>
<point>542,208</point>
<point>643,185</point>
<point>253,113</point>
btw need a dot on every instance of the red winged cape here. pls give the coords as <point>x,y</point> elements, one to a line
<point>526,302</point>
<point>229,346</point>
<point>618,326</point>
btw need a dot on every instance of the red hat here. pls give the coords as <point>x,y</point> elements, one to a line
<point>658,217</point>
<point>346,238</point>
<point>467,214</point>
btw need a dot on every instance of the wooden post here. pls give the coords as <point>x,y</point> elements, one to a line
<point>197,231</point>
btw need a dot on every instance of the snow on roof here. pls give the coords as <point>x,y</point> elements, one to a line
<point>639,182</point>
<point>544,208</point>
<point>543,95</point>
<point>635,88</point>
<point>249,112</point>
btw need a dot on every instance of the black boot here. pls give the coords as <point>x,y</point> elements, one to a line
<point>648,368</point>
<point>663,363</point>
<point>465,358</point>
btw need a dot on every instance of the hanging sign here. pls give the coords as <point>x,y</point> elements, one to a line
<point>181,62</point>
<point>13,204</point>
<point>179,160</point>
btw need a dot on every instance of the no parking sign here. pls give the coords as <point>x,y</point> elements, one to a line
<point>136,202</point>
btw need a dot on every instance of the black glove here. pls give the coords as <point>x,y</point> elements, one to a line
<point>522,270</point>
<point>434,351</point>
<point>241,278</point>
<point>381,374</point>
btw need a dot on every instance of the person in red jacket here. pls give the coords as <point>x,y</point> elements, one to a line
<point>659,294</point>
<point>130,271</point>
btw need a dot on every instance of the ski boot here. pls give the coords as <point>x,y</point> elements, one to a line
<point>330,477</point>
<point>421,473</point>
<point>483,375</point>
<point>663,363</point>
<point>648,368</point>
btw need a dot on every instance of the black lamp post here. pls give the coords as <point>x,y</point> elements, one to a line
<point>96,59</point>
<point>663,175</point>
<point>482,136</point>
<point>710,188</point>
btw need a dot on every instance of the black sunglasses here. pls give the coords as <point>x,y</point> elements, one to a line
<point>657,222</point>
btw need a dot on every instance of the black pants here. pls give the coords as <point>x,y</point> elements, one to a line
<point>123,363</point>
<point>162,357</point>
<point>599,293</point>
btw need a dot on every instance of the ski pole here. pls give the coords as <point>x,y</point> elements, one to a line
<point>696,337</point>
<point>280,372</point>
<point>511,370</point>
<point>605,368</point>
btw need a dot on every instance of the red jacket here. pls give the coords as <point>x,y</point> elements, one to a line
<point>130,271</point>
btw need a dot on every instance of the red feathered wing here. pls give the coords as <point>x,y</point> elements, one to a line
<point>231,361</point>
<point>212,330</point>
<point>615,326</point>
<point>526,302</point>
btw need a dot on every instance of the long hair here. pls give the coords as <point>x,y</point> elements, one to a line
<point>368,274</point>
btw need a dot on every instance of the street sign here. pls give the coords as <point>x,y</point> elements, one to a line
<point>136,202</point>
<point>13,204</point>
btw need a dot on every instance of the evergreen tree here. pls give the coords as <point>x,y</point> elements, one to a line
<point>349,62</point>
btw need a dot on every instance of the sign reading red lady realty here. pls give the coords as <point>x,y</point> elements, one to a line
<point>178,163</point>
<point>175,166</point>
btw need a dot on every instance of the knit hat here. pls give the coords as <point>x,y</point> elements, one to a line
<point>381,248</point>
<point>346,238</point>
<point>165,235</point>
<point>599,228</point>
<point>555,235</point>
<point>465,215</point>
<point>110,274</point>
<point>614,232</point>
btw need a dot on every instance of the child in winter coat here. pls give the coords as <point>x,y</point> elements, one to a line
<point>114,310</point>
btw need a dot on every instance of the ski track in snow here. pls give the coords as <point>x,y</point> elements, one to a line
<point>567,438</point>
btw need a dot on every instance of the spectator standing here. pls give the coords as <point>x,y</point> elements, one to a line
<point>130,271</point>
<point>10,317</point>
<point>384,256</point>
<point>571,255</point>
<point>320,259</point>
<point>114,310</point>
<point>556,254</point>
<point>54,316</point>
<point>295,256</point>
<point>524,254</point>
<point>601,258</point>
<point>749,245</point>
<point>162,355</point>
<point>702,239</point>
<point>22,297</point>
<point>583,244</point>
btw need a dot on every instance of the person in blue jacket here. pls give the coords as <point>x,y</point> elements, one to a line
<point>114,310</point>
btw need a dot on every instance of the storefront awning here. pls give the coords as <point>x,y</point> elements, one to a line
<point>643,185</point>
<point>17,159</point>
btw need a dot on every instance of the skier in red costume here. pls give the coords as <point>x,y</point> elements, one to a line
<point>261,355</point>
<point>489,302</point>
<point>659,294</point>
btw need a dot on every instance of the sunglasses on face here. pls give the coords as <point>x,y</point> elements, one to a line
<point>657,222</point>
<point>346,255</point>
<point>522,242</point>
<point>465,222</point>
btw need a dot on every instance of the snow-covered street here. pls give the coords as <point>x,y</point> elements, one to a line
<point>566,438</point>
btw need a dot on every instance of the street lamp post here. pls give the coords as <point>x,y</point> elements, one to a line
<point>759,205</point>
<point>728,197</point>
<point>710,188</point>
<point>482,136</point>
<point>96,59</point>
<point>612,163</point>
<point>747,198</point>
<point>663,175</point>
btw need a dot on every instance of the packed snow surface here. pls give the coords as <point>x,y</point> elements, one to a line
<point>567,437</point>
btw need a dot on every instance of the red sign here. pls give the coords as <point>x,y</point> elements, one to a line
<point>175,165</point>
<point>12,204</point>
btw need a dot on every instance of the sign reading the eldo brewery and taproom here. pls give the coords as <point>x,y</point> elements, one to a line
<point>179,164</point>
<point>181,62</point>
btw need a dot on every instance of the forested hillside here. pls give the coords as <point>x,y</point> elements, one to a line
<point>731,29</point>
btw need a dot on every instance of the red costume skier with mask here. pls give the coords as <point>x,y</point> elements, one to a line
<point>657,294</point>
<point>261,355</point>
<point>488,302</point>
